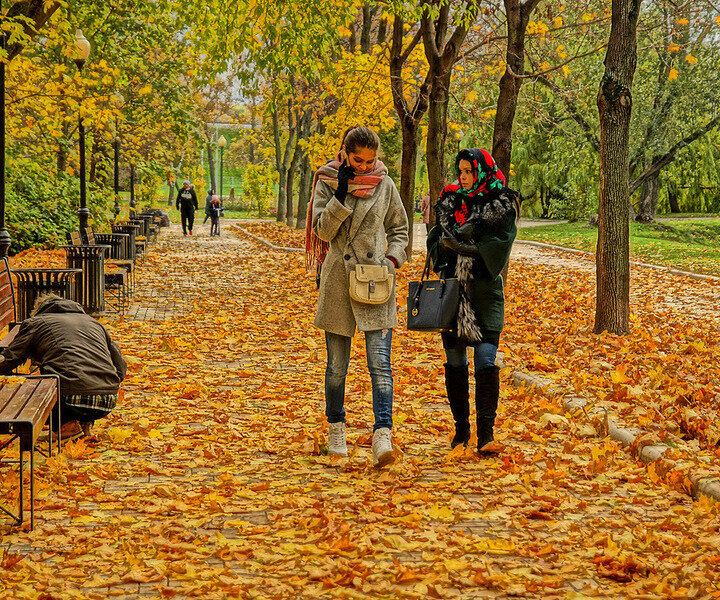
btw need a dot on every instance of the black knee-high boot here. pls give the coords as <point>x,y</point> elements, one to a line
<point>487,393</point>
<point>456,384</point>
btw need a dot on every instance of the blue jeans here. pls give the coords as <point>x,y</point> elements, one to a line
<point>456,353</point>
<point>378,345</point>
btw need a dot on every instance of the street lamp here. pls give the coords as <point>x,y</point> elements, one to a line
<point>222,142</point>
<point>80,52</point>
<point>4,235</point>
<point>117,101</point>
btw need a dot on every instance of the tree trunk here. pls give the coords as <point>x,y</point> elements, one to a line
<point>408,167</point>
<point>282,160</point>
<point>280,167</point>
<point>306,179</point>
<point>211,165</point>
<point>612,308</point>
<point>518,15</point>
<point>367,15</point>
<point>436,136</point>
<point>441,51</point>
<point>253,128</point>
<point>302,125</point>
<point>647,207</point>
<point>61,158</point>
<point>409,120</point>
<point>382,31</point>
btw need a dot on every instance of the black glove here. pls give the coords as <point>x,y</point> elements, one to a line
<point>457,246</point>
<point>465,232</point>
<point>345,174</point>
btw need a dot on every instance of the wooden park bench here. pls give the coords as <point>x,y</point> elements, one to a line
<point>26,403</point>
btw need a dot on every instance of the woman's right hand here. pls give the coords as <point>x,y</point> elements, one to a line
<point>452,243</point>
<point>345,174</point>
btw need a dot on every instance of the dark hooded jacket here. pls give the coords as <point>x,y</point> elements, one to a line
<point>62,340</point>
<point>482,248</point>
<point>186,200</point>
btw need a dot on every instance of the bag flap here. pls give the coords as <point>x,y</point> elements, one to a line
<point>366,273</point>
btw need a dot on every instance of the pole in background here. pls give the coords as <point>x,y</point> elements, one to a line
<point>81,51</point>
<point>222,142</point>
<point>4,235</point>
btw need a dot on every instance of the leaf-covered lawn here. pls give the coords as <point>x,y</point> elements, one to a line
<point>210,479</point>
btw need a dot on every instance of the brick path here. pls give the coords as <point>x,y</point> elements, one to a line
<point>206,482</point>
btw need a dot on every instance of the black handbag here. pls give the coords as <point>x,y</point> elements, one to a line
<point>432,303</point>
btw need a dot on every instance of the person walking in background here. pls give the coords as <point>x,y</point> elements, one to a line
<point>186,202</point>
<point>208,206</point>
<point>474,231</point>
<point>425,209</point>
<point>215,211</point>
<point>357,218</point>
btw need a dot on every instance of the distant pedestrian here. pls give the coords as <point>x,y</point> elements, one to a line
<point>425,209</point>
<point>215,212</point>
<point>472,238</point>
<point>186,202</point>
<point>208,205</point>
<point>357,219</point>
<point>231,198</point>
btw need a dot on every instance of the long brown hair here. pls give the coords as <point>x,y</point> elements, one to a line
<point>360,137</point>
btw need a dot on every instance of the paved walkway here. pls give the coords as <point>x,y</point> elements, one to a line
<point>209,480</point>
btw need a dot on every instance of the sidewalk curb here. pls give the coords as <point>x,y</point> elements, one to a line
<point>634,263</point>
<point>648,454</point>
<point>270,245</point>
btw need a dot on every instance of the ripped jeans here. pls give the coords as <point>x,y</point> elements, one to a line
<point>378,345</point>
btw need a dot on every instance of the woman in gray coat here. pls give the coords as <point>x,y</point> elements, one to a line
<point>357,219</point>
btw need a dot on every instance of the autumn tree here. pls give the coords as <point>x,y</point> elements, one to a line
<point>612,312</point>
<point>517,14</point>
<point>444,26</point>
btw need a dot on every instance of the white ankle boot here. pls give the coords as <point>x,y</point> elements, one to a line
<point>382,448</point>
<point>336,439</point>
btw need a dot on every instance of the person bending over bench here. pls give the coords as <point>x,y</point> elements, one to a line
<point>63,340</point>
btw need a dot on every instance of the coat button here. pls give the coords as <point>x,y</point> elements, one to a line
<point>369,254</point>
<point>347,257</point>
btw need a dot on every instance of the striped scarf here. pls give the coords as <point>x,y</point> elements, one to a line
<point>361,186</point>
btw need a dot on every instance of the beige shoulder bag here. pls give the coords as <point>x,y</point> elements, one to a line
<point>370,284</point>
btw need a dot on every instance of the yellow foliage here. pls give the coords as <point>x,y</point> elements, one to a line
<point>673,74</point>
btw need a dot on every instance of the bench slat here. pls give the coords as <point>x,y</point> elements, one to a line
<point>9,337</point>
<point>39,406</point>
<point>7,394</point>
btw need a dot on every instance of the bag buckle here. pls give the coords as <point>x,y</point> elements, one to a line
<point>372,287</point>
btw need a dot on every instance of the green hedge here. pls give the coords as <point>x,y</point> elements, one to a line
<point>41,209</point>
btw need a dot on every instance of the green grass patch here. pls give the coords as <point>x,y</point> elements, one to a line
<point>687,244</point>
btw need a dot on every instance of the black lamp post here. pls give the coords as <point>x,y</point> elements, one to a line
<point>222,142</point>
<point>132,185</point>
<point>81,54</point>
<point>4,235</point>
<point>117,101</point>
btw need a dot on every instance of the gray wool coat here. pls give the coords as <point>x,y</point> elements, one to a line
<point>377,227</point>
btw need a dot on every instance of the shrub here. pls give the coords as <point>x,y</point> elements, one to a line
<point>42,208</point>
<point>259,185</point>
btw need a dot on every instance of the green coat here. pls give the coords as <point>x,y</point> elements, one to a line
<point>492,242</point>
